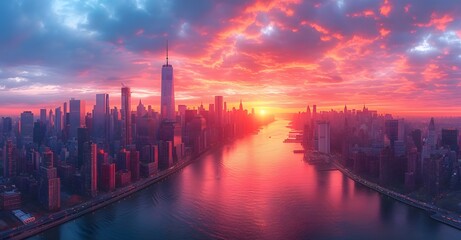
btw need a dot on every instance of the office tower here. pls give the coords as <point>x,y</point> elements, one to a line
<point>171,131</point>
<point>167,106</point>
<point>126,116</point>
<point>141,109</point>
<point>43,115</point>
<point>431,136</point>
<point>101,118</point>
<point>65,119</point>
<point>9,161</point>
<point>394,130</point>
<point>416,136</point>
<point>58,119</point>
<point>450,139</point>
<point>146,130</point>
<point>182,109</point>
<point>50,184</point>
<point>27,127</point>
<point>7,126</point>
<point>50,122</point>
<point>385,162</point>
<point>122,178</point>
<point>82,137</point>
<point>149,164</point>
<point>218,105</point>
<point>90,173</point>
<point>165,154</point>
<point>76,116</point>
<point>134,165</point>
<point>48,159</point>
<point>39,132</point>
<point>314,111</point>
<point>391,127</point>
<point>196,134</point>
<point>323,136</point>
<point>123,162</point>
<point>108,177</point>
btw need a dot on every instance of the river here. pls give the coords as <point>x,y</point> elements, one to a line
<point>255,188</point>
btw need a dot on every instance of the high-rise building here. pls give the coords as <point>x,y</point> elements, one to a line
<point>167,106</point>
<point>43,115</point>
<point>101,118</point>
<point>82,138</point>
<point>58,119</point>
<point>218,104</point>
<point>90,173</point>
<point>450,139</point>
<point>108,177</point>
<point>323,136</point>
<point>76,116</point>
<point>9,162</point>
<point>141,109</point>
<point>134,165</point>
<point>7,126</point>
<point>126,116</point>
<point>123,162</point>
<point>165,154</point>
<point>27,127</point>
<point>50,122</point>
<point>50,183</point>
<point>431,136</point>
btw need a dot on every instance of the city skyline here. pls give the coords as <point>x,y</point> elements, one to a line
<point>386,55</point>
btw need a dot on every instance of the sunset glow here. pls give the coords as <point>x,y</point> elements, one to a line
<point>395,56</point>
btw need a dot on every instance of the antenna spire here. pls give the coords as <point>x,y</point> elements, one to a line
<point>167,52</point>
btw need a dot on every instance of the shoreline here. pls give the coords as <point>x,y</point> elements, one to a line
<point>439,214</point>
<point>60,217</point>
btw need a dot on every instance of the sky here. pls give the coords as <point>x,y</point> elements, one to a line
<point>402,57</point>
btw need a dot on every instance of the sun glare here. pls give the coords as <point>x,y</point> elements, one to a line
<point>262,112</point>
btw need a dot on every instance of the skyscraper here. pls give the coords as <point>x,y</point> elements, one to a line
<point>126,116</point>
<point>76,116</point>
<point>218,104</point>
<point>7,126</point>
<point>82,138</point>
<point>101,117</point>
<point>323,136</point>
<point>27,127</point>
<point>43,115</point>
<point>50,183</point>
<point>9,163</point>
<point>58,119</point>
<point>90,174</point>
<point>167,107</point>
<point>450,139</point>
<point>431,135</point>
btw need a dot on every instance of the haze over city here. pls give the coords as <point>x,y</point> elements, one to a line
<point>400,57</point>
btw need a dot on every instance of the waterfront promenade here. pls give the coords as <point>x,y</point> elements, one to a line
<point>437,213</point>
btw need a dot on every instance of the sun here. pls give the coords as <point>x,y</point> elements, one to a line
<point>262,112</point>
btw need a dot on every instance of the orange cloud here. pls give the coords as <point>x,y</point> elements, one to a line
<point>385,8</point>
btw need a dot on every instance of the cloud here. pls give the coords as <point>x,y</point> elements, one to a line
<point>379,51</point>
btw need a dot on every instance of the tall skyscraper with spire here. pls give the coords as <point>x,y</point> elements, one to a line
<point>167,107</point>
